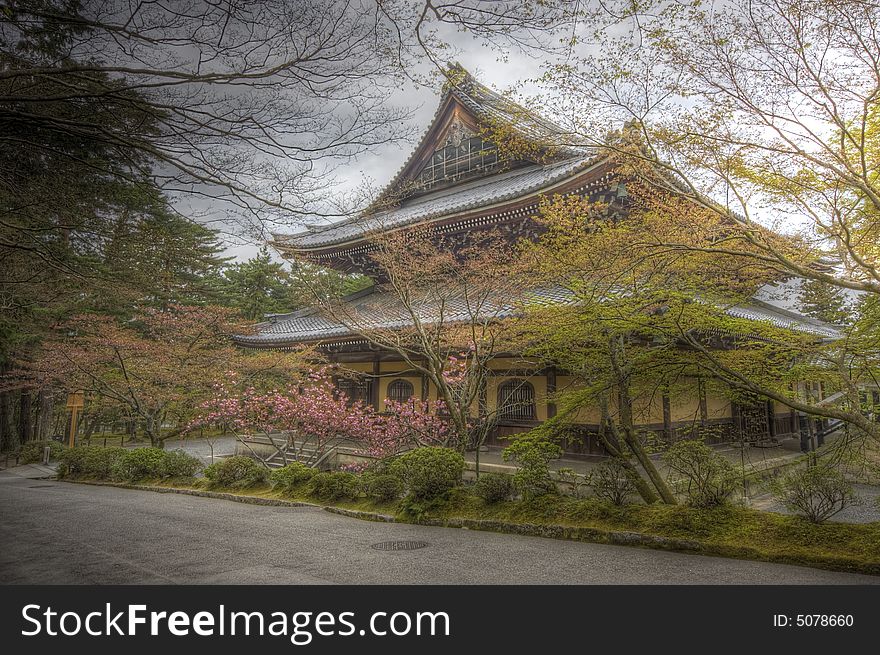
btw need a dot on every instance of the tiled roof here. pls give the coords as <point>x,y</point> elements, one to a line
<point>783,318</point>
<point>488,106</point>
<point>471,195</point>
<point>498,110</point>
<point>373,310</point>
<point>381,310</point>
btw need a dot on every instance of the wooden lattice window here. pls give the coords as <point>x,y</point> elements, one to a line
<point>354,390</point>
<point>516,401</point>
<point>457,161</point>
<point>400,391</point>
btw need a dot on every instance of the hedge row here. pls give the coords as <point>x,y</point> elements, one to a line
<point>126,465</point>
<point>422,474</point>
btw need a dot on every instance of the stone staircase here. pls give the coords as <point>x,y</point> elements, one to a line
<point>307,454</point>
<point>263,447</point>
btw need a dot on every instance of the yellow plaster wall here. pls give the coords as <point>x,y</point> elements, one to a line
<point>684,401</point>
<point>517,363</point>
<point>589,415</point>
<point>393,367</point>
<point>717,406</point>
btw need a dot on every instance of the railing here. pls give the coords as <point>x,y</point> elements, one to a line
<point>828,429</point>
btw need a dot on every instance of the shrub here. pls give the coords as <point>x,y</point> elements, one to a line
<point>383,488</point>
<point>817,492</point>
<point>72,463</point>
<point>710,479</point>
<point>124,464</point>
<point>32,451</point>
<point>428,472</point>
<point>177,464</point>
<point>575,481</point>
<point>290,476</point>
<point>532,479</point>
<point>613,482</point>
<point>100,462</point>
<point>138,464</point>
<point>494,487</point>
<point>334,486</point>
<point>89,461</point>
<point>238,472</point>
<point>380,466</point>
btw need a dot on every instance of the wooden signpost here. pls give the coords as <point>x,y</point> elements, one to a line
<point>75,403</point>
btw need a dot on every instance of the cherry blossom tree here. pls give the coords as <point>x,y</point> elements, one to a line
<point>309,417</point>
<point>156,368</point>
<point>447,309</point>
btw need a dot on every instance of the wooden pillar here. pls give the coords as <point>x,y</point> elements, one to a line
<point>735,420</point>
<point>704,407</point>
<point>424,387</point>
<point>771,419</point>
<point>551,389</point>
<point>374,384</point>
<point>667,416</point>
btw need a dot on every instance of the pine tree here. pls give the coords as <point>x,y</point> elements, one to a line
<point>258,286</point>
<point>161,258</point>
<point>824,301</point>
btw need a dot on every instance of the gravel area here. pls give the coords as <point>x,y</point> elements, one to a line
<point>867,512</point>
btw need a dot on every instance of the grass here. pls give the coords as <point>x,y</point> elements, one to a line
<point>727,531</point>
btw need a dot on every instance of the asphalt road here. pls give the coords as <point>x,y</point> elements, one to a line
<point>55,532</point>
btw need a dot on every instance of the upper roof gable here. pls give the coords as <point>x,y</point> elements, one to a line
<point>468,107</point>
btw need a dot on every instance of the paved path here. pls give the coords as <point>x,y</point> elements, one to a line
<point>201,448</point>
<point>33,471</point>
<point>56,532</point>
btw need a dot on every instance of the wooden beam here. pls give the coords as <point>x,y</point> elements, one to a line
<point>551,389</point>
<point>704,407</point>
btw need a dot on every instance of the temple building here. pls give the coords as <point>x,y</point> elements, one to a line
<point>456,183</point>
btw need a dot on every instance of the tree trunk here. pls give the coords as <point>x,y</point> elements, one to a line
<point>612,446</point>
<point>24,416</point>
<point>8,436</point>
<point>153,429</point>
<point>44,415</point>
<point>91,424</point>
<point>628,429</point>
<point>632,441</point>
<point>131,430</point>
